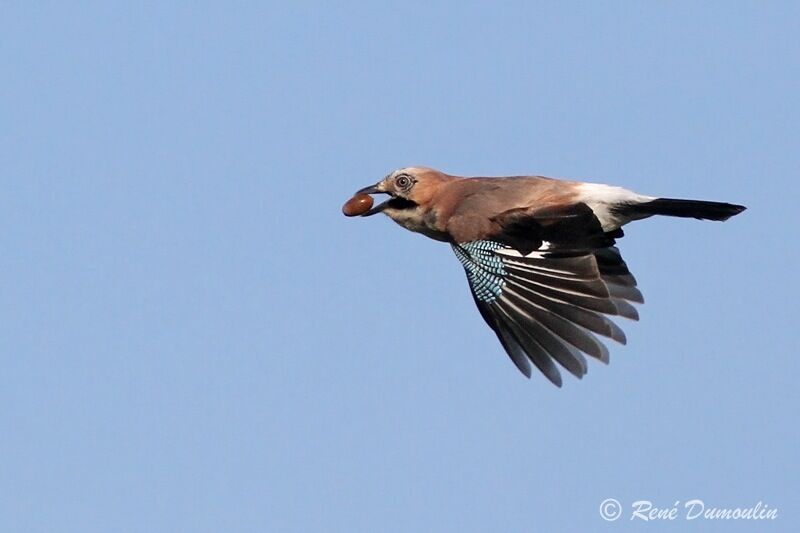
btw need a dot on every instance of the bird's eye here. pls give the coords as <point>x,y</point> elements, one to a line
<point>403,182</point>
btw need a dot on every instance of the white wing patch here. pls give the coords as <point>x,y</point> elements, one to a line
<point>511,252</point>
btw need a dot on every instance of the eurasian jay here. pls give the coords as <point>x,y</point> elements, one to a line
<point>538,253</point>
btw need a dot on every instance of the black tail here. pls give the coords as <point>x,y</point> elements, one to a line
<point>684,208</point>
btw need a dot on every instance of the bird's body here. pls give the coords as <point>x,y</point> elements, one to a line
<point>464,209</point>
<point>538,252</point>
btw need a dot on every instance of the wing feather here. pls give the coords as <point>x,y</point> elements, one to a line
<point>510,344</point>
<point>547,305</point>
<point>532,348</point>
<point>553,346</point>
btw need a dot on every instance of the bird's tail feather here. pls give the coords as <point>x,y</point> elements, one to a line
<point>674,207</point>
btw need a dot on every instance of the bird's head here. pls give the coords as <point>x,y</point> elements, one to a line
<point>411,192</point>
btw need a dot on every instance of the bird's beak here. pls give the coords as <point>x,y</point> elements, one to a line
<point>374,189</point>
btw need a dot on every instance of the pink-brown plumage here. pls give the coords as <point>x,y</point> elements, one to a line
<point>538,252</point>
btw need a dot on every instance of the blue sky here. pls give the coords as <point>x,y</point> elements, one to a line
<point>195,339</point>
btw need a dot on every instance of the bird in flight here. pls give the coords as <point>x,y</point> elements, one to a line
<point>539,254</point>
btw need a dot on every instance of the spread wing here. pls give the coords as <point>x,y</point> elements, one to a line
<point>547,305</point>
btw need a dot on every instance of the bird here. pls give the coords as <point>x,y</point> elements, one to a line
<point>539,254</point>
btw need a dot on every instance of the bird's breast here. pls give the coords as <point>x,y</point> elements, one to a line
<point>419,220</point>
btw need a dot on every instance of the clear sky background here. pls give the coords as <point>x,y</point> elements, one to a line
<point>193,338</point>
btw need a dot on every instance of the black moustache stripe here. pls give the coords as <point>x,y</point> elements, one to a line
<point>401,203</point>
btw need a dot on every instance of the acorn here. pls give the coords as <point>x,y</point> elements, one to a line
<point>357,205</point>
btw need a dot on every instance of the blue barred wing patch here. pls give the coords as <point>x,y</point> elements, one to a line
<point>485,271</point>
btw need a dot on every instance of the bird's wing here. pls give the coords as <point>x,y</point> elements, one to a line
<point>547,305</point>
<point>524,225</point>
<point>571,226</point>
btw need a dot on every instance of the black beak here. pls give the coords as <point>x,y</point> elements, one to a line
<point>372,189</point>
